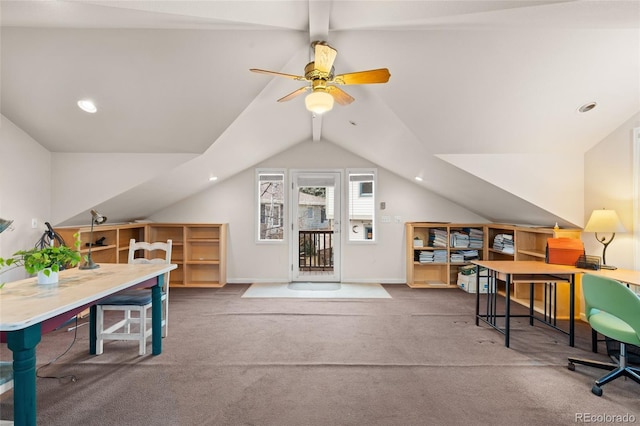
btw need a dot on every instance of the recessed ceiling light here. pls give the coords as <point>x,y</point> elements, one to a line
<point>212,178</point>
<point>587,107</point>
<point>87,106</point>
<point>418,178</point>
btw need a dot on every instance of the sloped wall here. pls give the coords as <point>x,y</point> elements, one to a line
<point>552,182</point>
<point>99,177</point>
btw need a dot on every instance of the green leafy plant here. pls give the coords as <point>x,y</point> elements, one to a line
<point>47,259</point>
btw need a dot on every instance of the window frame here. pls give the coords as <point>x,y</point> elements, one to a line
<point>259,172</point>
<point>370,196</point>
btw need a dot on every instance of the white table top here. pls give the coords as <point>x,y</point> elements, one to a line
<point>24,303</point>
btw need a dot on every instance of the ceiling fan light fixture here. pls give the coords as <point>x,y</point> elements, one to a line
<point>319,101</point>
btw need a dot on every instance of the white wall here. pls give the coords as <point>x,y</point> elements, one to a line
<point>99,177</point>
<point>233,201</point>
<point>608,182</point>
<point>25,191</point>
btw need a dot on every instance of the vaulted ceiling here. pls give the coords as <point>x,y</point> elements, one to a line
<point>482,78</point>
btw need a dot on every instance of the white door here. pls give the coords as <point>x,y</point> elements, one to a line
<point>315,237</point>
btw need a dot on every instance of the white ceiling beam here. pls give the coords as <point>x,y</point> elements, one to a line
<point>319,12</point>
<point>316,126</point>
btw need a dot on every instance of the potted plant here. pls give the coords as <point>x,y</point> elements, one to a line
<point>46,261</point>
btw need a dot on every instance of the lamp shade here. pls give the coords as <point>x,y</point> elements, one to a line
<point>319,101</point>
<point>604,221</point>
<point>97,218</point>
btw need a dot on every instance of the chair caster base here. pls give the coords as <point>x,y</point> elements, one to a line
<point>596,390</point>
<point>571,366</point>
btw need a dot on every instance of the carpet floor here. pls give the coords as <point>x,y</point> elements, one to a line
<point>416,358</point>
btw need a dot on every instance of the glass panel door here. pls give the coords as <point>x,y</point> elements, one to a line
<point>315,242</point>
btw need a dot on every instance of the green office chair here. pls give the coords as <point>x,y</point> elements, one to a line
<point>613,310</point>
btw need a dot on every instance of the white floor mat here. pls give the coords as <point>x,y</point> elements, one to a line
<point>310,290</point>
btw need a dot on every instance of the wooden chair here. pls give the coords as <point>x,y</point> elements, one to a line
<point>135,301</point>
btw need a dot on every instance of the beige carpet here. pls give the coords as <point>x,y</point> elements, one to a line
<point>417,359</point>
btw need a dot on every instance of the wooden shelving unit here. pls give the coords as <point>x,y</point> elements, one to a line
<point>492,231</point>
<point>441,274</point>
<point>115,245</point>
<point>530,244</point>
<point>199,250</point>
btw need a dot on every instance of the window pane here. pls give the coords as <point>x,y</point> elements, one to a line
<point>366,189</point>
<point>271,206</point>
<point>361,206</point>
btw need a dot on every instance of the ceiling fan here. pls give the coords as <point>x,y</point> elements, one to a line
<point>320,73</point>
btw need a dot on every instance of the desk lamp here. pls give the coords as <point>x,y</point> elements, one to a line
<point>604,221</point>
<point>96,219</point>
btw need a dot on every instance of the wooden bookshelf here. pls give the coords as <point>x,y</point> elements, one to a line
<point>529,243</point>
<point>114,246</point>
<point>439,274</point>
<point>198,249</point>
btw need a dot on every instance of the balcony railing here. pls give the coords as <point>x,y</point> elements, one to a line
<point>315,250</point>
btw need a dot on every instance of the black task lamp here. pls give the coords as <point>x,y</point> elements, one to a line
<point>606,221</point>
<point>4,224</point>
<point>96,219</point>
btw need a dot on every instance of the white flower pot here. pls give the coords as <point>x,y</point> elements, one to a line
<point>47,280</point>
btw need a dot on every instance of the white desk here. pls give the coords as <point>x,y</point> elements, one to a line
<point>25,306</point>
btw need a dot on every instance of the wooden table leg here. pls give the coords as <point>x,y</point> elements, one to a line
<point>156,316</point>
<point>23,345</point>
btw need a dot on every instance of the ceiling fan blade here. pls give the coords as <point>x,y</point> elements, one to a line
<point>278,74</point>
<point>294,94</point>
<point>324,57</point>
<point>381,75</point>
<point>340,96</point>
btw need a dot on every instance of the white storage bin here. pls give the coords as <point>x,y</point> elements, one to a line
<point>468,283</point>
